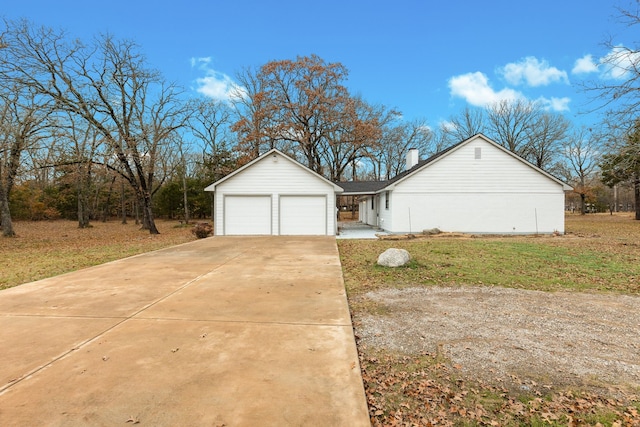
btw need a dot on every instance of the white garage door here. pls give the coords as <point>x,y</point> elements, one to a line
<point>247,215</point>
<point>303,215</point>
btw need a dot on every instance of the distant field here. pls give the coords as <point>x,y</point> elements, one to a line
<point>48,248</point>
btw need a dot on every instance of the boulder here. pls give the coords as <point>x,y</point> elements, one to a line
<point>393,257</point>
<point>431,231</point>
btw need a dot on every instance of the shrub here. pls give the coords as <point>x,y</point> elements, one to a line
<point>202,230</point>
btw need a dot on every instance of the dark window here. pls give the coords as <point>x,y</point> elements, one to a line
<point>372,203</point>
<point>386,200</point>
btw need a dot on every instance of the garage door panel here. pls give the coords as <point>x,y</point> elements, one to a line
<point>247,215</point>
<point>303,215</point>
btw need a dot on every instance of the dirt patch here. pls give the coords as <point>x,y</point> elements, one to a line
<point>554,339</point>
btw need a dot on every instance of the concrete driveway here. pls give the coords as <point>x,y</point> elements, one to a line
<point>233,331</point>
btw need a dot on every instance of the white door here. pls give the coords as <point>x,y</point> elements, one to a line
<point>303,215</point>
<point>247,215</point>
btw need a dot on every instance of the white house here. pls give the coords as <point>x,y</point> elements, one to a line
<point>476,186</point>
<point>274,195</point>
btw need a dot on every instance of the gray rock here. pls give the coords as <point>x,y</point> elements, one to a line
<point>393,257</point>
<point>431,231</point>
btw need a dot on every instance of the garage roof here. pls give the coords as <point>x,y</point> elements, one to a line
<point>272,152</point>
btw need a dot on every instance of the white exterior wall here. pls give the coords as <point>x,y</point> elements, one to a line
<point>362,216</point>
<point>274,178</point>
<point>368,215</point>
<point>385,215</point>
<point>494,194</point>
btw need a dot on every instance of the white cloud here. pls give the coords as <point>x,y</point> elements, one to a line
<point>619,62</point>
<point>533,72</point>
<point>201,63</point>
<point>215,84</point>
<point>475,89</point>
<point>585,65</point>
<point>447,125</point>
<point>616,64</point>
<point>555,104</point>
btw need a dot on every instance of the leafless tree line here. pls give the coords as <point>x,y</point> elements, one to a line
<point>97,110</point>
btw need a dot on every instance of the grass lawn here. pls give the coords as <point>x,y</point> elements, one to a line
<point>599,253</point>
<point>48,248</point>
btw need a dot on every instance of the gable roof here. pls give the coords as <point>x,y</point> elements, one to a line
<point>269,153</point>
<point>378,186</point>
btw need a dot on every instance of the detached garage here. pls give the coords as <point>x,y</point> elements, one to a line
<point>274,195</point>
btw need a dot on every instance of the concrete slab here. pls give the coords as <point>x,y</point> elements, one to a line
<point>358,230</point>
<point>223,331</point>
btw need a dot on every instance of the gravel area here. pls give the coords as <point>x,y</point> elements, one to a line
<point>560,339</point>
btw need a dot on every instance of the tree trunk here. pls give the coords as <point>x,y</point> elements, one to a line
<point>151,223</point>
<point>187,217</point>
<point>583,204</point>
<point>83,216</point>
<point>148,221</point>
<point>636,192</point>
<point>83,202</point>
<point>123,203</point>
<point>5,214</point>
<point>353,207</point>
<point>213,205</point>
<point>107,204</point>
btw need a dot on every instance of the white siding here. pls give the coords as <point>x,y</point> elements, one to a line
<point>496,171</point>
<point>479,213</point>
<point>495,193</point>
<point>274,176</point>
<point>385,217</point>
<point>368,214</point>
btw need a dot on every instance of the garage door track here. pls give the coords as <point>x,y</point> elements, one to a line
<point>233,331</point>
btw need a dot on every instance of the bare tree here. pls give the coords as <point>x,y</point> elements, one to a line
<point>545,138</point>
<point>616,92</point>
<point>108,85</point>
<point>470,122</point>
<point>253,122</point>
<point>396,142</point>
<point>582,153</point>
<point>510,123</point>
<point>23,119</point>
<point>616,89</point>
<point>622,164</point>
<point>210,123</point>
<point>78,146</point>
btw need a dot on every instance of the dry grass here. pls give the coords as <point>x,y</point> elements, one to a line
<point>599,253</point>
<point>48,248</point>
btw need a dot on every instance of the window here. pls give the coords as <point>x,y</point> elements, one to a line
<point>478,153</point>
<point>373,206</point>
<point>386,200</point>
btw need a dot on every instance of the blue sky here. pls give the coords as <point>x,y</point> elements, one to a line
<point>428,59</point>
